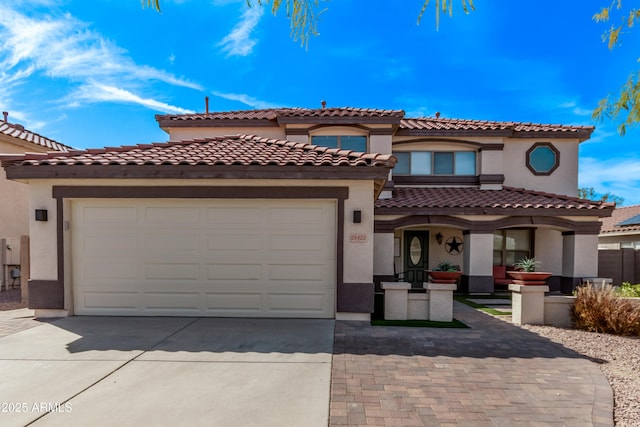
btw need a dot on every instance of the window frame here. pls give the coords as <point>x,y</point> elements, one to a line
<point>339,140</point>
<point>503,250</point>
<point>433,163</point>
<point>553,149</point>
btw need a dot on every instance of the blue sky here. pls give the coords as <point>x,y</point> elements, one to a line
<point>94,73</point>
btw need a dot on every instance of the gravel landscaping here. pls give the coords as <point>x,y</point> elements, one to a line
<point>10,300</point>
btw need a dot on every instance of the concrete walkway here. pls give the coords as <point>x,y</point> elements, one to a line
<point>493,374</point>
<point>119,371</point>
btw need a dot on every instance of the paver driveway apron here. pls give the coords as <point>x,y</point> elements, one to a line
<point>167,371</point>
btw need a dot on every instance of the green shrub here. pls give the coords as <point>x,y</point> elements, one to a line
<point>599,309</point>
<point>629,290</point>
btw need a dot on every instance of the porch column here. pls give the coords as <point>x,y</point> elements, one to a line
<point>579,259</point>
<point>382,268</point>
<point>478,261</point>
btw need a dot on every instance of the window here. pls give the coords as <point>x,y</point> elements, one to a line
<point>344,142</point>
<point>543,158</point>
<point>435,163</point>
<point>510,246</point>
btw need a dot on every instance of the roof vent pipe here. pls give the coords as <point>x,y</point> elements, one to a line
<point>437,114</point>
<point>6,116</point>
<point>324,104</point>
<point>206,105</point>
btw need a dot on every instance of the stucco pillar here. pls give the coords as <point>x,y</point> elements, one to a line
<point>396,300</point>
<point>548,245</point>
<point>383,254</point>
<point>528,304</point>
<point>440,301</point>
<point>478,262</point>
<point>579,259</point>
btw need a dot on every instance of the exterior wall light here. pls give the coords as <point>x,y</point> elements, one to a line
<point>41,215</point>
<point>357,217</point>
<point>439,238</point>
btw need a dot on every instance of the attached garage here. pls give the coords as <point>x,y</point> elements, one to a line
<point>238,226</point>
<point>249,258</point>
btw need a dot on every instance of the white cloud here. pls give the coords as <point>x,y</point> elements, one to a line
<point>96,92</point>
<point>246,99</point>
<point>63,47</point>
<point>620,176</point>
<point>239,42</point>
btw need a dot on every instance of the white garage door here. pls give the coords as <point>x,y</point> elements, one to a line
<point>176,257</point>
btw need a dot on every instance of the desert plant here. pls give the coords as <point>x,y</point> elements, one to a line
<point>444,266</point>
<point>527,265</point>
<point>598,309</point>
<point>629,290</point>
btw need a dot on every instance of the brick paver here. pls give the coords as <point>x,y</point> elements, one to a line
<point>492,374</point>
<point>12,321</point>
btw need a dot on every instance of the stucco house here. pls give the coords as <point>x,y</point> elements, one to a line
<point>14,212</point>
<point>621,229</point>
<point>297,212</point>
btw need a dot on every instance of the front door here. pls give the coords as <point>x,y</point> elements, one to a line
<point>416,246</point>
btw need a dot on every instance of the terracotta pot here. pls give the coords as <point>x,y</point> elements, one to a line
<point>444,276</point>
<point>529,278</point>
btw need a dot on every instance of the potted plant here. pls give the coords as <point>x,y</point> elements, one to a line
<point>444,272</point>
<point>526,273</point>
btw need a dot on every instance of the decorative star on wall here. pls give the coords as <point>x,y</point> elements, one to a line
<point>454,245</point>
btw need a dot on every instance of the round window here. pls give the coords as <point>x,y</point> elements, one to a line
<point>543,158</point>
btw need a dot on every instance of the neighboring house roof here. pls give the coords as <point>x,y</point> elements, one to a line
<point>476,201</point>
<point>19,132</point>
<point>425,126</point>
<point>236,156</point>
<point>610,225</point>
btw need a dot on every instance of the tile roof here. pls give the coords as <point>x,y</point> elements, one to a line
<point>19,132</point>
<point>281,113</point>
<point>243,150</point>
<point>618,215</point>
<point>467,197</point>
<point>432,124</point>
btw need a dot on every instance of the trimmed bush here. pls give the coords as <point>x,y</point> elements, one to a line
<point>599,309</point>
<point>629,290</point>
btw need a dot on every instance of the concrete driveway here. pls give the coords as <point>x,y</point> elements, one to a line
<point>167,371</point>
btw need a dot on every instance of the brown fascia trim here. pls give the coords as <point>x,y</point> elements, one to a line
<point>491,179</point>
<point>580,134</point>
<point>307,131</point>
<point>338,120</point>
<point>480,145</point>
<point>453,132</point>
<point>448,179</point>
<point>436,180</point>
<point>211,123</point>
<point>538,212</point>
<point>197,172</point>
<point>197,192</point>
<point>471,227</point>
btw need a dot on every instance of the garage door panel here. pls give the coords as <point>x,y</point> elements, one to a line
<point>171,215</point>
<point>188,301</point>
<point>204,257</point>
<point>234,272</point>
<point>172,271</point>
<point>303,302</point>
<point>171,242</point>
<point>103,269</point>
<point>234,242</point>
<point>234,301</point>
<point>247,215</point>
<point>110,300</point>
<point>109,214</point>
